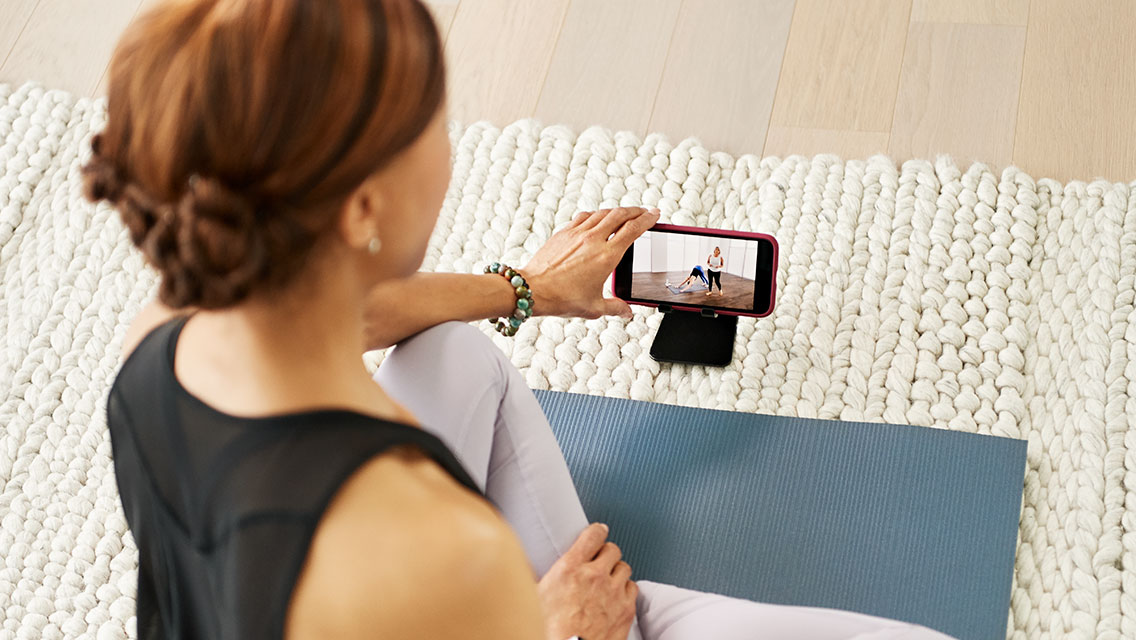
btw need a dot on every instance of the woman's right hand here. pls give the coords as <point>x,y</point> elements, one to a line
<point>588,592</point>
<point>567,274</point>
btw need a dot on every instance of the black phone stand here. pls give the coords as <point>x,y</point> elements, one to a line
<point>692,337</point>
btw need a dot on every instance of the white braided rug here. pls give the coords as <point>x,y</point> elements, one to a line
<point>924,294</point>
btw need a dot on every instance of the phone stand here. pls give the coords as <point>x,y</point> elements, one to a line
<point>691,337</point>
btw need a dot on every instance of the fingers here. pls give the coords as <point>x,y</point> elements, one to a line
<point>616,219</point>
<point>608,220</point>
<point>589,219</point>
<point>622,571</point>
<point>608,556</point>
<point>633,229</point>
<point>582,218</point>
<point>587,544</point>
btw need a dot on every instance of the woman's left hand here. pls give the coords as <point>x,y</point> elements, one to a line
<point>567,274</point>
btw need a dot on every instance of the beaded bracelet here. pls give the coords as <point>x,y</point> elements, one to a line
<point>508,326</point>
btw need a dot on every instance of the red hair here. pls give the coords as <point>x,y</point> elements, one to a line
<point>237,129</point>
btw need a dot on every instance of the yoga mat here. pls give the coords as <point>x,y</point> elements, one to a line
<point>910,523</point>
<point>699,286</point>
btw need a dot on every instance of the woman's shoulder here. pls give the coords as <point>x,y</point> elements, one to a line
<point>399,526</point>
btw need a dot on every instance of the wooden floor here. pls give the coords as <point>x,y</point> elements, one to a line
<point>736,291</point>
<point>1048,85</point>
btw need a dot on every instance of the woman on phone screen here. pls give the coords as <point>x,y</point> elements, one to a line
<point>715,263</point>
<point>696,272</point>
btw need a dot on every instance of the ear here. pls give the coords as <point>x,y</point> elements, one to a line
<point>359,220</point>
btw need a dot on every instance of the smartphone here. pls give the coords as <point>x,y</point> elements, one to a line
<point>698,269</point>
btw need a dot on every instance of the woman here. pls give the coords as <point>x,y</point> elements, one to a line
<point>696,272</point>
<point>716,263</point>
<point>282,163</point>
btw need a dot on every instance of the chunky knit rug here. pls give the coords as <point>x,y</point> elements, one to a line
<point>925,294</point>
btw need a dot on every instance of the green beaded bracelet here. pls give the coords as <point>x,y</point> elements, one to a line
<point>508,326</point>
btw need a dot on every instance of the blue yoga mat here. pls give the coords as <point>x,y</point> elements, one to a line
<point>697,286</point>
<point>910,523</point>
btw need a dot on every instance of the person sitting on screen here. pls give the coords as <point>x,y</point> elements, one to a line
<point>696,272</point>
<point>715,263</point>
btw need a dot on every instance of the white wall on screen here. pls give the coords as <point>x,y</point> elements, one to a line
<point>641,256</point>
<point>669,252</point>
<point>659,253</point>
<point>692,254</point>
<point>735,264</point>
<point>676,252</point>
<point>749,269</point>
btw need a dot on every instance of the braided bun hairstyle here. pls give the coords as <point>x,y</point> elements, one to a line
<point>237,129</point>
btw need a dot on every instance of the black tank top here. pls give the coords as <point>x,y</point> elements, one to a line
<point>223,508</point>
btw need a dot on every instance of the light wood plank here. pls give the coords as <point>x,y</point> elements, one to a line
<point>1072,120</point>
<point>498,53</point>
<point>1078,88</point>
<point>143,7</point>
<point>842,64</point>
<point>600,72</point>
<point>443,11</point>
<point>1008,12</point>
<point>67,43</point>
<point>721,72</point>
<point>786,141</point>
<point>958,92</point>
<point>14,15</point>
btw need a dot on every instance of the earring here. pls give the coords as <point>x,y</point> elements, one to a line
<point>374,245</point>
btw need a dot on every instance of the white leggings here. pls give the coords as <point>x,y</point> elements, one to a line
<point>465,391</point>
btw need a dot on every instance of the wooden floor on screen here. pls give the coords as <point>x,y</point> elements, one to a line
<point>737,292</point>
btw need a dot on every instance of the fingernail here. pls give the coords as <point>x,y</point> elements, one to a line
<point>605,528</point>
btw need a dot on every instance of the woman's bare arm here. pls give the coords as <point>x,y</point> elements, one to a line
<point>566,277</point>
<point>398,309</point>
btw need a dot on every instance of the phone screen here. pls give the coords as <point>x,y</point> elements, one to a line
<point>699,269</point>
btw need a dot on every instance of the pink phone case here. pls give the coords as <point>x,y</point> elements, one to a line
<point>726,233</point>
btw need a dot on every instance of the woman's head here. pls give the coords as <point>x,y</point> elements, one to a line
<point>244,137</point>
<point>717,251</point>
